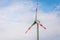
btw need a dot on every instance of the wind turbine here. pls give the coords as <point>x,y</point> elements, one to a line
<point>36,21</point>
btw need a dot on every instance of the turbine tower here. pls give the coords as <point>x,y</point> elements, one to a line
<point>36,21</point>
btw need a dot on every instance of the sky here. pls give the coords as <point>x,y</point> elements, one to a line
<point>17,15</point>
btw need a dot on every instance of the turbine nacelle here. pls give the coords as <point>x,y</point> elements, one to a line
<point>37,21</point>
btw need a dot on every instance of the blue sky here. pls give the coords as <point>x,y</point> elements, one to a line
<point>47,5</point>
<point>17,15</point>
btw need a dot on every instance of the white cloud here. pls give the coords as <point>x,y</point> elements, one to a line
<point>51,21</point>
<point>15,18</point>
<point>12,21</point>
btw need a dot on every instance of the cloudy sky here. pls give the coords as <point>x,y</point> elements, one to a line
<point>17,15</point>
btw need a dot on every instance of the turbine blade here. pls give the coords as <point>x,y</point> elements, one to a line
<point>36,10</point>
<point>42,26</point>
<point>30,27</point>
<point>36,14</point>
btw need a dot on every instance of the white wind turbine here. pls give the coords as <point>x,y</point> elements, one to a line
<point>36,22</point>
